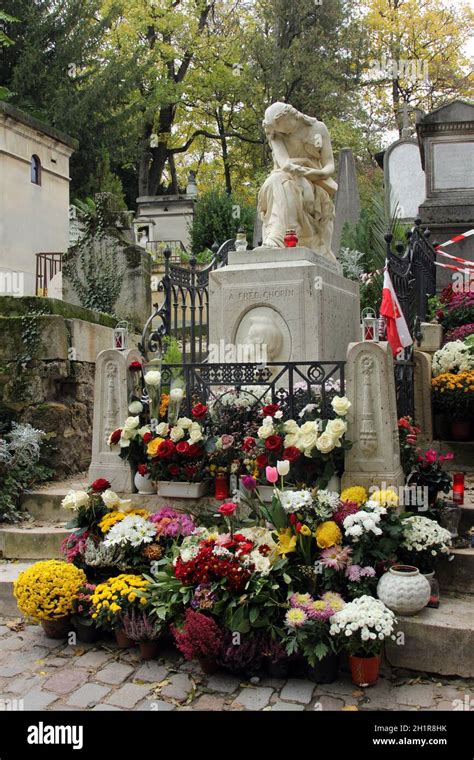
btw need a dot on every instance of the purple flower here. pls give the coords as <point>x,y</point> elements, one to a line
<point>367,572</point>
<point>249,483</point>
<point>353,572</point>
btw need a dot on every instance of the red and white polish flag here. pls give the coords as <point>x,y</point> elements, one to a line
<point>398,334</point>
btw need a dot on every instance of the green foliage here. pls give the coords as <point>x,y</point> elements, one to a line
<point>214,220</point>
<point>172,353</point>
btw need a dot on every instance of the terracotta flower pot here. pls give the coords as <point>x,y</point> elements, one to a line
<point>365,670</point>
<point>123,641</point>
<point>149,650</point>
<point>57,629</point>
<point>208,665</point>
<point>461,430</point>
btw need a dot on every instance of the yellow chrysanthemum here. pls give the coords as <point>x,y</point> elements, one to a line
<point>152,448</point>
<point>385,498</point>
<point>328,534</point>
<point>46,590</point>
<point>114,517</point>
<point>355,493</point>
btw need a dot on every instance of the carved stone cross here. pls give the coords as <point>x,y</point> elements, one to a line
<point>406,109</point>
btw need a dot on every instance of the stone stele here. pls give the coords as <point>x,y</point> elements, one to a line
<point>292,300</point>
<point>374,459</point>
<point>112,389</point>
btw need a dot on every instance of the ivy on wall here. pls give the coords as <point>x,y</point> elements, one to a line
<point>92,264</point>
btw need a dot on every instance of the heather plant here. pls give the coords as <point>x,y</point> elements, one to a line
<point>20,468</point>
<point>200,638</point>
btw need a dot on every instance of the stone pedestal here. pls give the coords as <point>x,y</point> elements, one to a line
<point>294,299</point>
<point>112,389</point>
<point>423,411</point>
<point>374,459</point>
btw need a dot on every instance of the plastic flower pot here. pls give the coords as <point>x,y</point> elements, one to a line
<point>208,665</point>
<point>86,633</point>
<point>325,670</point>
<point>57,629</point>
<point>182,490</point>
<point>149,650</point>
<point>365,670</point>
<point>123,641</point>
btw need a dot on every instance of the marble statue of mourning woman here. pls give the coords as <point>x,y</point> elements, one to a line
<point>298,194</point>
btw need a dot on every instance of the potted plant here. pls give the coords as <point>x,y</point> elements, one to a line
<point>308,633</point>
<point>423,543</point>
<point>453,395</point>
<point>428,473</point>
<point>115,598</point>
<point>83,623</point>
<point>361,628</point>
<point>141,628</point>
<point>199,638</point>
<point>177,458</point>
<point>46,591</point>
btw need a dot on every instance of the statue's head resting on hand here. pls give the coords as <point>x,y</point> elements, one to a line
<point>284,118</point>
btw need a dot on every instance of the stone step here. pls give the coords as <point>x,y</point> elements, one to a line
<point>457,575</point>
<point>9,572</point>
<point>32,541</point>
<point>437,641</point>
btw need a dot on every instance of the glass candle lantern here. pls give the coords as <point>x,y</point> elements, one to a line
<point>241,240</point>
<point>121,336</point>
<point>458,488</point>
<point>291,239</point>
<point>450,517</point>
<point>369,325</point>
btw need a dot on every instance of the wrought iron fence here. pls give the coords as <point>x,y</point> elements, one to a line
<point>413,273</point>
<point>47,265</point>
<point>293,385</point>
<point>184,311</point>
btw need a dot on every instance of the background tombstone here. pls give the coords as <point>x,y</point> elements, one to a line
<point>112,389</point>
<point>423,412</point>
<point>105,269</point>
<point>446,142</point>
<point>404,178</point>
<point>374,458</point>
<point>347,197</point>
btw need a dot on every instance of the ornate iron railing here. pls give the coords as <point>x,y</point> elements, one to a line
<point>413,273</point>
<point>184,311</point>
<point>47,265</point>
<point>293,385</point>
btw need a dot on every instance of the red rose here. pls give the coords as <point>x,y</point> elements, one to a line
<point>273,443</point>
<point>262,460</point>
<point>195,450</point>
<point>173,469</point>
<point>182,447</point>
<point>291,453</point>
<point>135,366</point>
<point>248,443</point>
<point>227,510</point>
<point>166,449</point>
<point>190,470</point>
<point>99,485</point>
<point>147,437</point>
<point>270,410</point>
<point>199,411</point>
<point>115,436</point>
<point>292,519</point>
<point>403,422</point>
<point>142,469</point>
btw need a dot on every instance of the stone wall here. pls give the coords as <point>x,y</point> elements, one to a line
<point>54,389</point>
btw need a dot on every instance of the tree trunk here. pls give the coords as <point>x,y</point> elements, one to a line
<point>174,176</point>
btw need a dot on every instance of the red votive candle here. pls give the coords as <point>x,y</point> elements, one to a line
<point>221,487</point>
<point>458,488</point>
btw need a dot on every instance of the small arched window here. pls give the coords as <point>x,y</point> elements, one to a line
<point>35,170</point>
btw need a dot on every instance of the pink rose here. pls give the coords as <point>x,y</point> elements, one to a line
<point>271,474</point>
<point>228,509</point>
<point>227,441</point>
<point>431,456</point>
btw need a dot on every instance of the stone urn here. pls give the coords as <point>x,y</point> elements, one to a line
<point>144,484</point>
<point>404,590</point>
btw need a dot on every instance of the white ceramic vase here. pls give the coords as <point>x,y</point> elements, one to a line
<point>404,590</point>
<point>143,483</point>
